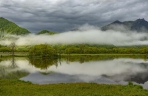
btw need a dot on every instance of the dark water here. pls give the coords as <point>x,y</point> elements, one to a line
<point>42,71</point>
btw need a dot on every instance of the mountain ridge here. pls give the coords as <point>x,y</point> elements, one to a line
<point>46,32</point>
<point>9,27</point>
<point>139,25</point>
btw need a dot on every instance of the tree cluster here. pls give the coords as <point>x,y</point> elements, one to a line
<point>42,50</point>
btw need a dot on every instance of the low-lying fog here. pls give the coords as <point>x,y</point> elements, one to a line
<point>86,34</point>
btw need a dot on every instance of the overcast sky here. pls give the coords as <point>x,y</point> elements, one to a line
<point>63,15</point>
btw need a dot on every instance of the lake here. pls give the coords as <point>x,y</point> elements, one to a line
<point>69,70</point>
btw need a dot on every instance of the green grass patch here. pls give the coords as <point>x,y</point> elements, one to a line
<point>21,88</point>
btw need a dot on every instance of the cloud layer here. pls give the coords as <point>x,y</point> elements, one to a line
<point>85,35</point>
<point>62,15</point>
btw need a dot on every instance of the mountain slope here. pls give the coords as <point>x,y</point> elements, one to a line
<point>7,26</point>
<point>139,25</point>
<point>46,32</point>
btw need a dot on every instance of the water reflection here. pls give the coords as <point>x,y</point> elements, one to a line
<point>10,70</point>
<point>109,71</point>
<point>13,64</point>
<point>43,63</point>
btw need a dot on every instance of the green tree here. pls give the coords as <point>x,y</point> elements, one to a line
<point>42,50</point>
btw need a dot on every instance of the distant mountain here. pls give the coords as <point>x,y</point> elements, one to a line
<point>9,27</point>
<point>46,32</point>
<point>139,25</point>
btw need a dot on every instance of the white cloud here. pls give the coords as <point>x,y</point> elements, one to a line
<point>87,34</point>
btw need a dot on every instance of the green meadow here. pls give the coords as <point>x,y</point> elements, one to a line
<point>21,88</point>
<point>11,86</point>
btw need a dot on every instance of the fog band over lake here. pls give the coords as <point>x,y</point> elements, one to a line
<point>116,71</point>
<point>85,34</point>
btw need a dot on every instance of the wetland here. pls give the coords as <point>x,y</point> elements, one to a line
<point>102,69</point>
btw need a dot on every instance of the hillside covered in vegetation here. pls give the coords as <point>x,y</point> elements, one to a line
<point>9,27</point>
<point>46,32</point>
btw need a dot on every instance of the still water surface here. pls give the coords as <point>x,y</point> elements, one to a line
<point>113,71</point>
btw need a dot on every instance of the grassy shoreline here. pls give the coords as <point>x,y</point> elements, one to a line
<point>21,88</point>
<point>11,87</point>
<point>25,54</point>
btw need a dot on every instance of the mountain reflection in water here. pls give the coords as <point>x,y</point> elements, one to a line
<point>47,71</point>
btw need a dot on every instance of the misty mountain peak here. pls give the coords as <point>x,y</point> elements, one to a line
<point>141,20</point>
<point>139,25</point>
<point>117,22</point>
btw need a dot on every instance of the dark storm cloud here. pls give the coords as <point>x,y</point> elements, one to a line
<point>61,15</point>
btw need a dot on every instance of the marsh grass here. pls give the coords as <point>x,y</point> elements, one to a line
<point>21,88</point>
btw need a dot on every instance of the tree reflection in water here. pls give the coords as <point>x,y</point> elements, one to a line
<point>43,63</point>
<point>13,64</point>
<point>11,71</point>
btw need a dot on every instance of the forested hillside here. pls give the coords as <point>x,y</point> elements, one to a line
<point>7,26</point>
<point>46,32</point>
